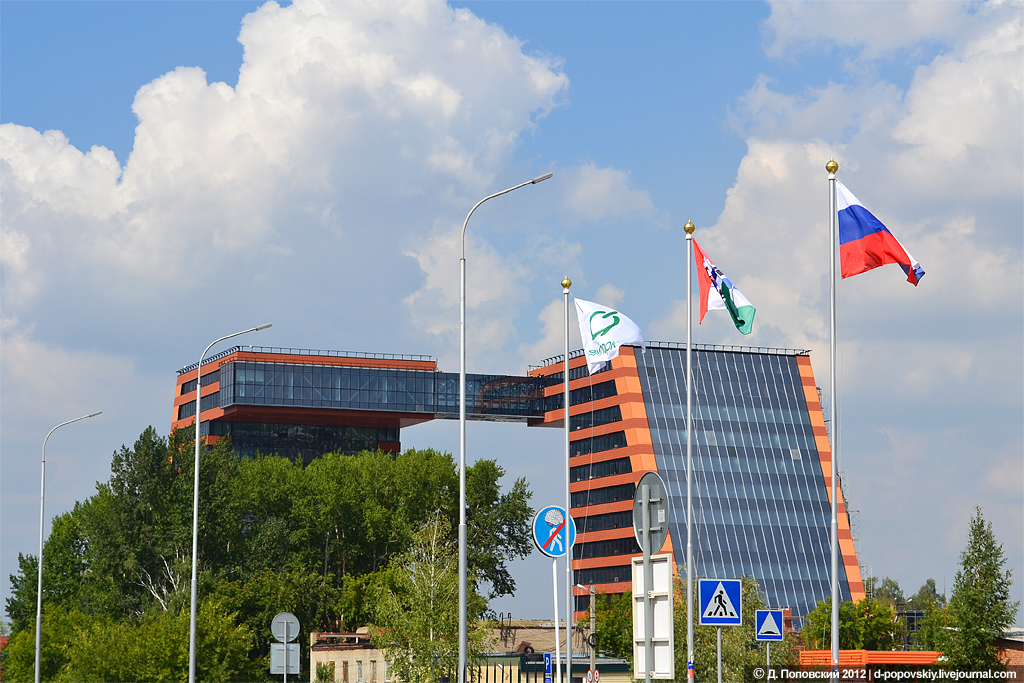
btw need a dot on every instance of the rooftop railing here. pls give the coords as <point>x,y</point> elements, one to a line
<point>309,352</point>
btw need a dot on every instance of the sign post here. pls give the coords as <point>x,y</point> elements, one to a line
<point>651,515</point>
<point>721,604</point>
<point>554,533</point>
<point>284,655</point>
<point>768,628</point>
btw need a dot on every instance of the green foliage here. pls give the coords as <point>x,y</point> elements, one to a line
<point>319,541</point>
<point>418,618</point>
<point>865,625</point>
<point>980,608</point>
<point>889,592</point>
<point>615,625</point>
<point>86,648</point>
<point>325,672</point>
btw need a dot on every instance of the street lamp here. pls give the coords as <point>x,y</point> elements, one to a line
<point>195,505</point>
<point>42,501</point>
<point>462,426</point>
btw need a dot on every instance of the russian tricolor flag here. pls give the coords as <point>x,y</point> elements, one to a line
<point>864,243</point>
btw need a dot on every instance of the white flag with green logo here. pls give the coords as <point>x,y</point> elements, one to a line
<point>604,330</point>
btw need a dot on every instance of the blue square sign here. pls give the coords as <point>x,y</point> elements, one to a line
<point>768,624</point>
<point>721,602</point>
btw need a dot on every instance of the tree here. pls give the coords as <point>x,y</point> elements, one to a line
<point>889,592</point>
<point>980,608</point>
<point>418,615</point>
<point>926,597</point>
<point>865,625</point>
<point>615,626</point>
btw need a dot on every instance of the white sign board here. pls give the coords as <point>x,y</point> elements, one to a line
<point>277,655</point>
<point>663,638</point>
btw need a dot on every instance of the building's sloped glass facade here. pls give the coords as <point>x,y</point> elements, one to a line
<point>760,503</point>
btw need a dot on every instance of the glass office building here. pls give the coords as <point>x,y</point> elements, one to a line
<point>761,467</point>
<point>761,452</point>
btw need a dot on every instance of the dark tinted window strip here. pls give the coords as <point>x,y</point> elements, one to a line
<point>608,468</point>
<point>616,574</point>
<point>581,395</point>
<point>597,444</point>
<point>608,548</point>
<point>595,418</point>
<point>609,494</point>
<point>610,520</point>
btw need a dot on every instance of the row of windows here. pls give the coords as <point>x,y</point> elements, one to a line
<point>585,394</point>
<point>189,409</point>
<point>595,418</point>
<point>609,494</point>
<point>725,413</point>
<point>608,468</point>
<point>618,574</point>
<point>736,439</point>
<point>596,444</point>
<point>613,546</point>
<point>610,520</point>
<point>574,373</point>
<point>209,378</point>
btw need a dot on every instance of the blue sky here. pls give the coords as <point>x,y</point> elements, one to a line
<point>324,181</point>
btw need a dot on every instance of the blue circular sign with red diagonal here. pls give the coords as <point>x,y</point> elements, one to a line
<point>553,531</point>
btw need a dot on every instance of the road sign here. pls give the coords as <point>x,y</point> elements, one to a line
<point>277,658</point>
<point>590,676</point>
<point>285,627</point>
<point>550,528</point>
<point>661,514</point>
<point>768,624</point>
<point>663,633</point>
<point>721,602</point>
<point>547,667</point>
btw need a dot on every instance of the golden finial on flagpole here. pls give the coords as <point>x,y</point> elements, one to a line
<point>832,166</point>
<point>689,227</point>
<point>566,282</point>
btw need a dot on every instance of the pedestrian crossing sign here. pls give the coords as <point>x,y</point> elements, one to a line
<point>721,602</point>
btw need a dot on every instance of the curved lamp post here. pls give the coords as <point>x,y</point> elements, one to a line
<point>462,426</point>
<point>42,501</point>
<point>195,505</point>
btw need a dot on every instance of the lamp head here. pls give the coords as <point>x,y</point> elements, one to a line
<point>541,178</point>
<point>263,327</point>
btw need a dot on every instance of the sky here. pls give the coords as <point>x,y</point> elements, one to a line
<point>171,172</point>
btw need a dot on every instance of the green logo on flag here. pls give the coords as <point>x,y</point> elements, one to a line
<point>604,317</point>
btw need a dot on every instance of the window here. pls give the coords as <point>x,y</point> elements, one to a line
<point>608,468</point>
<point>359,670</point>
<point>597,444</point>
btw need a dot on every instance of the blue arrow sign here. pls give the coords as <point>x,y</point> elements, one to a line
<point>721,602</point>
<point>553,532</point>
<point>768,624</point>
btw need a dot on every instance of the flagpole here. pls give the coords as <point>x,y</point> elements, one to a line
<point>689,228</point>
<point>832,167</point>
<point>569,615</point>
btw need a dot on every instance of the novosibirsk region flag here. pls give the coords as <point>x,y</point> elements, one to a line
<point>604,330</point>
<point>717,292</point>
